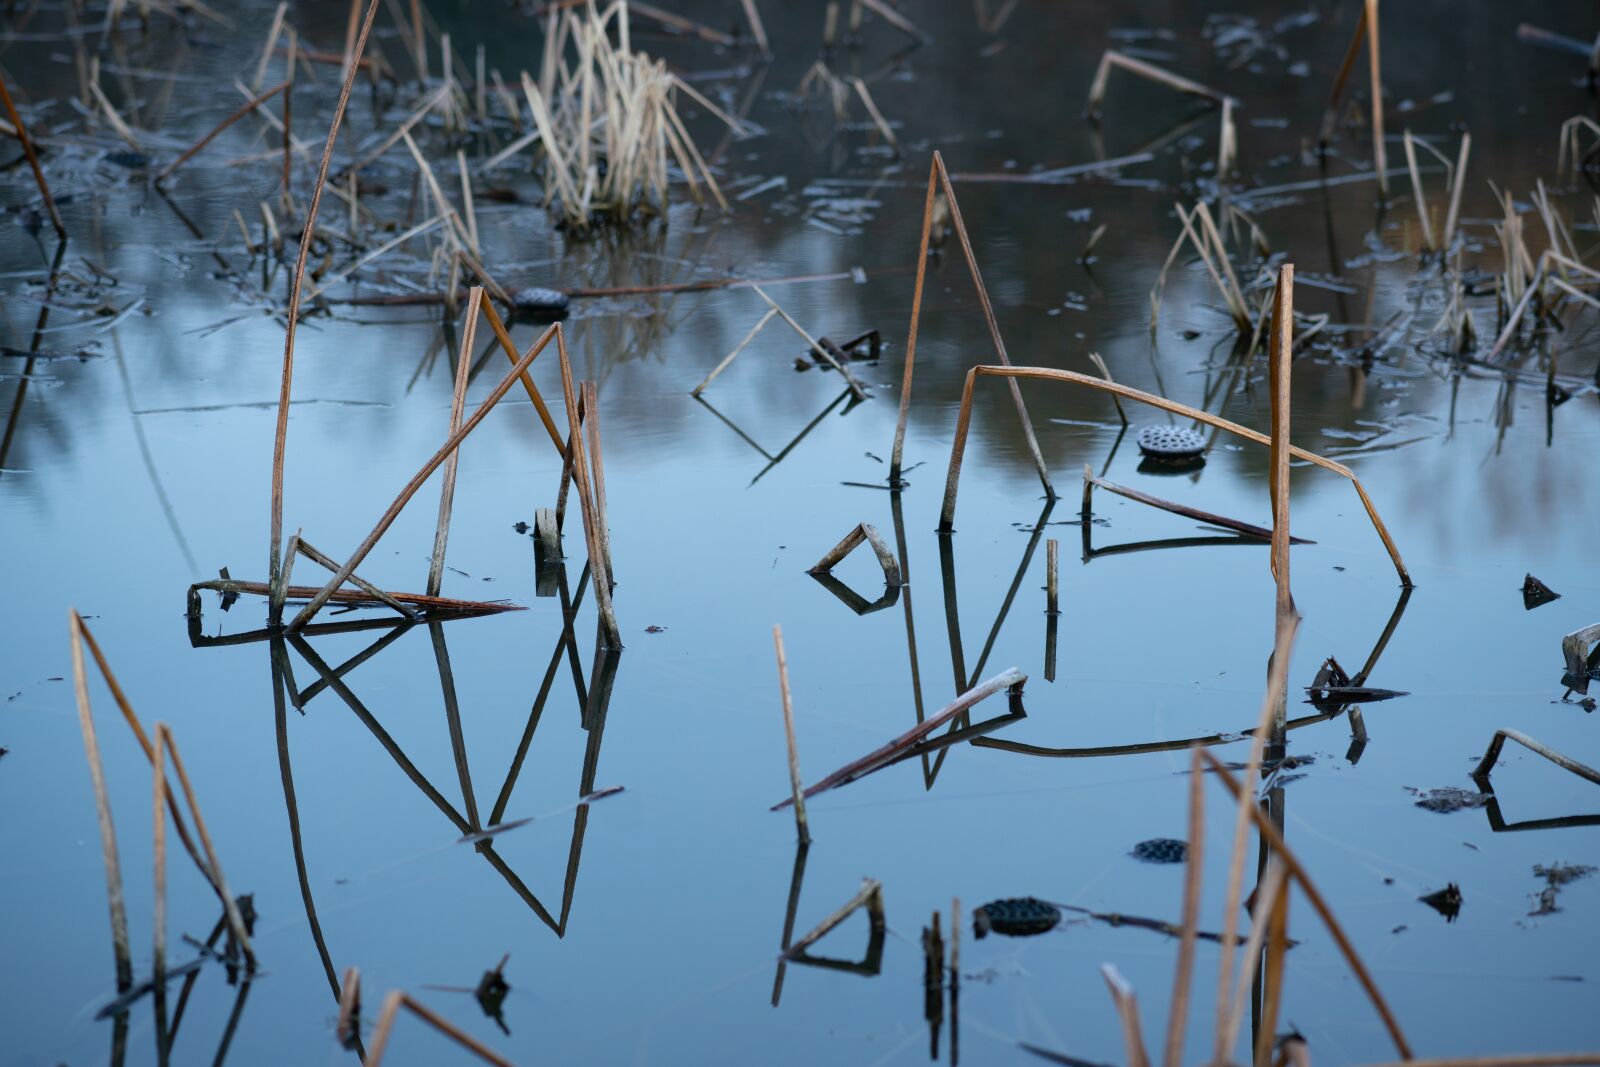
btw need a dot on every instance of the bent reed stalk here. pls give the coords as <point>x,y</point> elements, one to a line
<point>964,421</point>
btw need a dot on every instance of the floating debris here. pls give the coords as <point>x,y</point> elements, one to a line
<point>1446,901</point>
<point>1160,850</point>
<point>1448,799</point>
<point>131,160</point>
<point>535,302</point>
<point>1556,876</point>
<point>1015,917</point>
<point>491,992</point>
<point>1536,594</point>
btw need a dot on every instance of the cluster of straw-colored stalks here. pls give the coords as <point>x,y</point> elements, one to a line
<point>607,121</point>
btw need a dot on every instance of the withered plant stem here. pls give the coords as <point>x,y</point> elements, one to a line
<point>1246,801</point>
<point>802,827</point>
<point>411,487</point>
<point>244,109</point>
<point>458,406</point>
<point>398,999</point>
<point>33,159</point>
<point>102,802</point>
<point>1282,357</point>
<point>964,420</point>
<point>1194,872</point>
<point>281,433</point>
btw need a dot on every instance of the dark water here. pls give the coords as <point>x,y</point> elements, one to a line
<point>144,467</point>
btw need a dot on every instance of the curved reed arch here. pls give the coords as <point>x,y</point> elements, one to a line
<point>964,422</point>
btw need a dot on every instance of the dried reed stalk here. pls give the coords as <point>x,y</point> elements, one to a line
<point>1010,678</point>
<point>857,390</point>
<point>458,405</point>
<point>1272,978</point>
<point>20,131</point>
<point>895,19</point>
<point>592,520</point>
<point>740,347</point>
<point>1127,1004</point>
<point>964,420</point>
<point>299,545</point>
<point>591,426</point>
<point>398,999</point>
<point>359,598</point>
<point>534,396</point>
<point>1272,891</point>
<point>1486,765</point>
<point>1380,154</point>
<point>939,177</point>
<point>102,802</point>
<point>158,922</point>
<point>1178,1016</point>
<point>870,896</point>
<point>244,109</point>
<point>409,490</point>
<point>348,1028</point>
<point>1282,356</point>
<point>1052,574</point>
<point>863,532</point>
<point>802,827</point>
<point>281,433</point>
<point>1148,71</point>
<point>1090,481</point>
<point>757,29</point>
<point>230,907</point>
<point>1246,801</point>
<point>1099,362</point>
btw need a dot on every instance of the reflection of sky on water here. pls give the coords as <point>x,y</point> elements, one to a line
<point>145,468</point>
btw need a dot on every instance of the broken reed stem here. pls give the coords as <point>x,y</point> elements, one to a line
<point>534,396</point>
<point>757,30</point>
<point>1277,677</point>
<point>244,109</point>
<point>1194,872</point>
<point>1282,356</point>
<point>937,172</point>
<point>612,638</point>
<point>1460,181</point>
<point>1007,679</point>
<point>102,802</point>
<point>1280,848</point>
<point>1330,117</point>
<point>458,405</point>
<point>964,420</point>
<point>897,456</point>
<point>360,598</point>
<point>229,907</point>
<point>876,115</point>
<point>1105,372</point>
<point>591,426</point>
<point>1380,154</point>
<point>869,896</point>
<point>349,1025</point>
<point>720,367</point>
<point>281,433</point>
<point>1486,764</point>
<point>300,546</point>
<point>411,487</point>
<point>1230,1008</point>
<point>1417,194</point>
<point>802,827</point>
<point>1090,482</point>
<point>158,922</point>
<point>1127,1004</point>
<point>1052,602</point>
<point>856,388</point>
<point>33,159</point>
<point>398,999</point>
<point>1148,71</point>
<point>1272,980</point>
<point>864,531</point>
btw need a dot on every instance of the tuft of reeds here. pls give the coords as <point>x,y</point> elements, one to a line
<point>1214,254</point>
<point>607,122</point>
<point>939,182</point>
<point>964,420</point>
<point>802,827</point>
<point>20,130</point>
<point>1455,178</point>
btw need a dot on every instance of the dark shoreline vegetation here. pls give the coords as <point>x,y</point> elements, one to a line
<point>264,263</point>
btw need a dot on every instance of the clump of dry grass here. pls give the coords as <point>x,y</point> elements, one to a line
<point>608,124</point>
